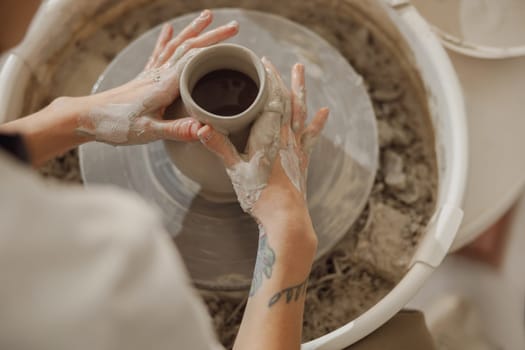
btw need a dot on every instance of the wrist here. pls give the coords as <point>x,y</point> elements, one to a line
<point>281,202</point>
<point>72,114</point>
<point>68,112</point>
<point>291,235</point>
<point>285,256</point>
<point>53,130</point>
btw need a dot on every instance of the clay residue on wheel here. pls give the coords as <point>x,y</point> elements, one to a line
<point>374,255</point>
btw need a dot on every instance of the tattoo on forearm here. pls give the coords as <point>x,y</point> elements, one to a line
<point>263,264</point>
<point>290,293</point>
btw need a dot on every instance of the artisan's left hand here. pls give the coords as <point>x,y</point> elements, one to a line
<point>132,113</point>
<point>129,114</point>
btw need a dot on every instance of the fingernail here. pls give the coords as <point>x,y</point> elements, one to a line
<point>204,14</point>
<point>204,134</point>
<point>233,24</point>
<point>195,126</point>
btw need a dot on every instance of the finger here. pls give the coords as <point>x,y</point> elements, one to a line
<point>165,35</point>
<point>285,136</point>
<point>274,72</point>
<point>209,38</point>
<point>220,145</point>
<point>174,72</point>
<point>265,133</point>
<point>278,88</point>
<point>312,132</point>
<point>191,31</point>
<point>274,103</point>
<point>298,99</point>
<point>184,129</point>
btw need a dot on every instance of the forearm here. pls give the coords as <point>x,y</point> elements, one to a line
<point>50,131</point>
<point>274,313</point>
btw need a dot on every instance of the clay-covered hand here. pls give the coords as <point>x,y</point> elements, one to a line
<point>132,113</point>
<point>297,139</point>
<point>277,153</point>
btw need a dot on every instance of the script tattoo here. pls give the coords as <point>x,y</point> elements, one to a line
<point>263,264</point>
<point>293,292</point>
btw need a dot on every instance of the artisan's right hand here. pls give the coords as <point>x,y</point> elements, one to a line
<point>287,242</point>
<point>276,199</point>
<point>284,197</point>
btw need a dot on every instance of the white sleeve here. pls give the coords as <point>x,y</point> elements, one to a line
<point>91,270</point>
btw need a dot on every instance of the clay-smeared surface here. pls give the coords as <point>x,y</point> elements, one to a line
<point>363,267</point>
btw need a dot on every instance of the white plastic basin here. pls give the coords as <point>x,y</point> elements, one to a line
<point>401,24</point>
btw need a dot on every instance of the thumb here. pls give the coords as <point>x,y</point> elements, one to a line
<point>184,129</point>
<point>220,145</point>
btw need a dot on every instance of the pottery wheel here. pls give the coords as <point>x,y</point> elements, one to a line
<point>217,241</point>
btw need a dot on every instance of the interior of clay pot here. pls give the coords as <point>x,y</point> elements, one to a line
<point>405,229</point>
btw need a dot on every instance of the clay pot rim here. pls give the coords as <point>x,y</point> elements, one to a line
<point>235,51</point>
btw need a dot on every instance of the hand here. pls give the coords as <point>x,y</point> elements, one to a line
<point>132,113</point>
<point>249,171</point>
<point>277,162</point>
<point>282,209</point>
<point>278,149</point>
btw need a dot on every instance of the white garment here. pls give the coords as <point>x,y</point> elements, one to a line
<point>90,269</point>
